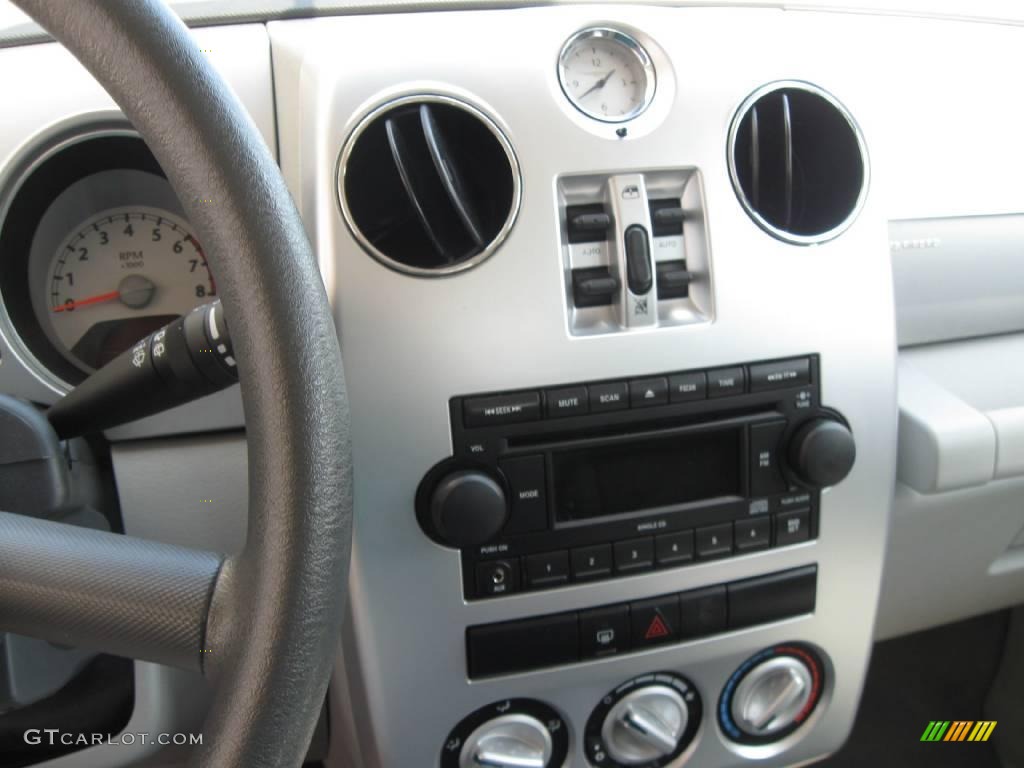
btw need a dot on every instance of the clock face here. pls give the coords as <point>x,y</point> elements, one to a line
<point>606,75</point>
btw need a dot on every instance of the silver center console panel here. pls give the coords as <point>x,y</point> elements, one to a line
<point>413,343</point>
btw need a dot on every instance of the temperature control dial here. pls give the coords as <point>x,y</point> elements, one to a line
<point>647,721</point>
<point>514,733</point>
<point>771,694</point>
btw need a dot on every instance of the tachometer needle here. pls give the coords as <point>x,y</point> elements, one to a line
<point>98,299</point>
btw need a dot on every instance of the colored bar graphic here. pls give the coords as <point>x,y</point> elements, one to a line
<point>958,730</point>
<point>935,731</point>
<point>982,730</point>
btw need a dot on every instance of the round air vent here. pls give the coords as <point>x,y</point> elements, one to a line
<point>798,162</point>
<point>429,185</point>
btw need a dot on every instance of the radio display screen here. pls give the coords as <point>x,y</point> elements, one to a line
<point>646,474</point>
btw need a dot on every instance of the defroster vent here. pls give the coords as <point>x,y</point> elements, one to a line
<point>798,162</point>
<point>429,185</point>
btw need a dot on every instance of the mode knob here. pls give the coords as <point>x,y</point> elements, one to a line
<point>467,508</point>
<point>510,741</point>
<point>822,452</point>
<point>648,721</point>
<point>771,694</point>
<point>513,733</point>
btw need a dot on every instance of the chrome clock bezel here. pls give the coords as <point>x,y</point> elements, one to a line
<point>628,42</point>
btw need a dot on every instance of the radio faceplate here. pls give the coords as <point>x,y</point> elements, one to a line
<point>613,478</point>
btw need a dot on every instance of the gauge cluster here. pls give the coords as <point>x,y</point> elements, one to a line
<point>97,253</point>
<point>118,276</point>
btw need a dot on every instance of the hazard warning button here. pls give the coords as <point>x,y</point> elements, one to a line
<point>655,621</point>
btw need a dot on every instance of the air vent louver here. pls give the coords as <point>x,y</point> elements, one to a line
<point>797,162</point>
<point>429,185</point>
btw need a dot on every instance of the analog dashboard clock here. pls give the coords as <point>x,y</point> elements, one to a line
<point>606,74</point>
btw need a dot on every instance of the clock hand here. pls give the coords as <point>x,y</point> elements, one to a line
<point>597,86</point>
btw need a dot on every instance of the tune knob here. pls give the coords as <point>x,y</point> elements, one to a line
<point>648,721</point>
<point>822,452</point>
<point>467,508</point>
<point>771,694</point>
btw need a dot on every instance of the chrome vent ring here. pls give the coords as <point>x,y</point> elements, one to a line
<point>798,162</point>
<point>429,185</point>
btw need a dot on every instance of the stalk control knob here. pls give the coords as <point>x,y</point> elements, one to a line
<point>467,508</point>
<point>822,452</point>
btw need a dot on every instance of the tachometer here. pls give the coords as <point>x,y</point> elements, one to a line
<point>120,275</point>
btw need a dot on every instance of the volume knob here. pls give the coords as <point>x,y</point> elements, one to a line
<point>822,452</point>
<point>467,508</point>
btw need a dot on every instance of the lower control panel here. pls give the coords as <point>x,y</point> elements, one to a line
<point>566,638</point>
<point>649,720</point>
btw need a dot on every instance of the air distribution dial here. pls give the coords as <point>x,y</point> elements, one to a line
<point>647,721</point>
<point>822,452</point>
<point>771,694</point>
<point>467,507</point>
<point>514,733</point>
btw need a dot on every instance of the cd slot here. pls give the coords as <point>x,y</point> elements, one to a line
<point>632,430</point>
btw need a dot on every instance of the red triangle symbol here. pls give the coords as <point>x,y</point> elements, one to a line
<point>656,629</point>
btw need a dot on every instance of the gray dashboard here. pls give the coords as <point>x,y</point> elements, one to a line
<point>913,357</point>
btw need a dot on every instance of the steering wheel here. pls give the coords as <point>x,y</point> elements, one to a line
<point>262,625</point>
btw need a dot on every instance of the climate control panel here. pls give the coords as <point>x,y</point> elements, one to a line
<point>650,720</point>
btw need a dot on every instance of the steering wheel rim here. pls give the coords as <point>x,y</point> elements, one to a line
<point>269,618</point>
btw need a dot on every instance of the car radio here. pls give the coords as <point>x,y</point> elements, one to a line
<point>602,479</point>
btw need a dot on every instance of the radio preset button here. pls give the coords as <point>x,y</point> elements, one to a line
<point>547,569</point>
<point>786,373</point>
<point>655,621</point>
<point>647,392</point>
<point>714,541</point>
<point>591,562</point>
<point>726,381</point>
<point>753,533</point>
<point>792,527</point>
<point>497,577</point>
<point>567,401</point>
<point>609,397</point>
<point>673,548</point>
<point>703,612</point>
<point>765,476</point>
<point>604,631</point>
<point>525,476</point>
<point>501,409</point>
<point>688,386</point>
<point>634,555</point>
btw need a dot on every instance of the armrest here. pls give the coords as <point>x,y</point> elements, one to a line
<point>961,414</point>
